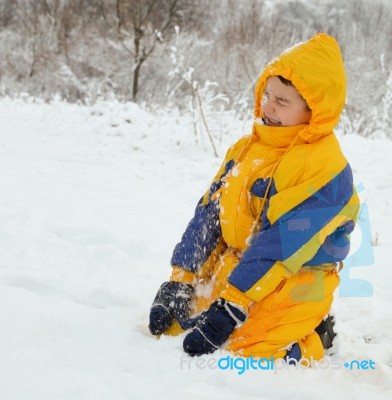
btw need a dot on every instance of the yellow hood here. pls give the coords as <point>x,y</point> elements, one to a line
<point>317,71</point>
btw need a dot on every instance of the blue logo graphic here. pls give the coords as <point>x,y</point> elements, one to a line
<point>363,256</point>
<point>305,223</point>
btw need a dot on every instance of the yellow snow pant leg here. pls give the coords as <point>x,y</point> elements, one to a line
<point>286,316</point>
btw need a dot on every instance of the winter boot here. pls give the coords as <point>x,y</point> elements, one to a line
<point>329,338</point>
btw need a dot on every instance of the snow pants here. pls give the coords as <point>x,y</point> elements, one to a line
<point>287,315</point>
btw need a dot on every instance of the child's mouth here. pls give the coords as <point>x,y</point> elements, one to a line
<point>271,121</point>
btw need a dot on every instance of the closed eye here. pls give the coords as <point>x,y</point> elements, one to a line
<point>282,101</point>
<point>279,100</point>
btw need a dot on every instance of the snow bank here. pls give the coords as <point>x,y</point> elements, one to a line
<point>93,200</point>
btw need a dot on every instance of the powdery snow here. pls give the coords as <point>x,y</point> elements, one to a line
<point>93,201</point>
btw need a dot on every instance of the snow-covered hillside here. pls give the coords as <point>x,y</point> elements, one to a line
<point>93,200</point>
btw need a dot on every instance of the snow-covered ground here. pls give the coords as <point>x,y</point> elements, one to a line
<point>93,200</point>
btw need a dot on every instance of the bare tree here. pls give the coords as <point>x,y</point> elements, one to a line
<point>7,12</point>
<point>141,25</point>
<point>43,24</point>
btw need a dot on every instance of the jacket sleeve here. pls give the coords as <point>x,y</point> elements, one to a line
<point>203,231</point>
<point>306,224</point>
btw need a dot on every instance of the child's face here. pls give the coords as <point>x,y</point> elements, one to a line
<point>282,105</point>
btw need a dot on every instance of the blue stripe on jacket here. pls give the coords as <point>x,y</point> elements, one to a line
<point>294,229</point>
<point>335,248</point>
<point>202,233</point>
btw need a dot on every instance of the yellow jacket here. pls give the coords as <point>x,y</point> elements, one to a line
<point>284,197</point>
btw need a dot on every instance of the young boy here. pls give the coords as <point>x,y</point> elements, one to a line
<point>259,262</point>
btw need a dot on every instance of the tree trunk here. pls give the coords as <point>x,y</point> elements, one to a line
<point>135,86</point>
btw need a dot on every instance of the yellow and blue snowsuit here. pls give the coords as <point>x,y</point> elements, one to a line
<point>272,230</point>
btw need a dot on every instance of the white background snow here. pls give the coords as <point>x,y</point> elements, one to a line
<point>93,200</point>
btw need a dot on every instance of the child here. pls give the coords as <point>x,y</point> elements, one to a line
<point>259,261</point>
